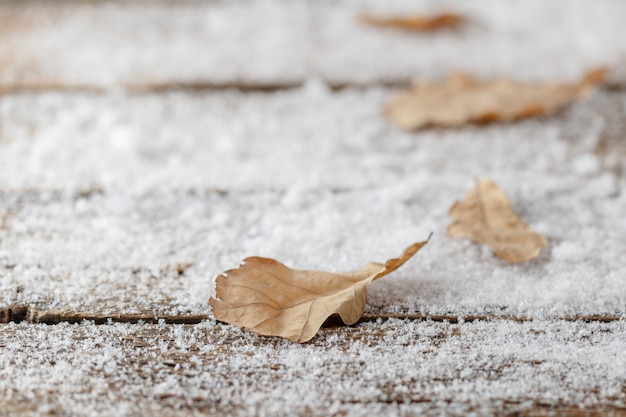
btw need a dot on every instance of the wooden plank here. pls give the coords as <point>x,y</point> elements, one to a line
<point>211,44</point>
<point>81,171</point>
<point>36,315</point>
<point>202,152</point>
<point>40,266</point>
<point>400,367</point>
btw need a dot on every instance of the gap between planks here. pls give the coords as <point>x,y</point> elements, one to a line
<point>188,86</point>
<point>206,86</point>
<point>33,315</point>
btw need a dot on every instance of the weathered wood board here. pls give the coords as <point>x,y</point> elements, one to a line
<point>387,368</point>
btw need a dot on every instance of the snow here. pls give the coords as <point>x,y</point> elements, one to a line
<point>315,179</point>
<point>106,191</point>
<point>281,41</point>
<point>418,368</point>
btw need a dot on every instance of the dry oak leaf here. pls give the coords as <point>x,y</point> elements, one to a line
<point>416,23</point>
<point>268,298</point>
<point>486,216</point>
<point>463,99</point>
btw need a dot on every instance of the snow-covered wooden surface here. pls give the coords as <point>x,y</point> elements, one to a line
<point>105,197</point>
<point>140,43</point>
<point>394,368</point>
<point>145,147</point>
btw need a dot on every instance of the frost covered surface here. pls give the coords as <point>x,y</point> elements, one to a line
<point>105,44</point>
<point>413,368</point>
<point>114,202</point>
<point>315,179</point>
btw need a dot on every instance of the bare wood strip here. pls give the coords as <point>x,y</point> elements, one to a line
<point>547,410</point>
<point>207,86</point>
<point>193,86</point>
<point>66,316</point>
<point>148,88</point>
<point>262,87</point>
<point>13,314</point>
<point>19,313</point>
<point>451,318</point>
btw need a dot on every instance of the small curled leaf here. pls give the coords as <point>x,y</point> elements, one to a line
<point>486,216</point>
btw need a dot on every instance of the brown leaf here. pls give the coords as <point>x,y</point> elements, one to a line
<point>268,298</point>
<point>416,23</point>
<point>486,216</point>
<point>462,99</point>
